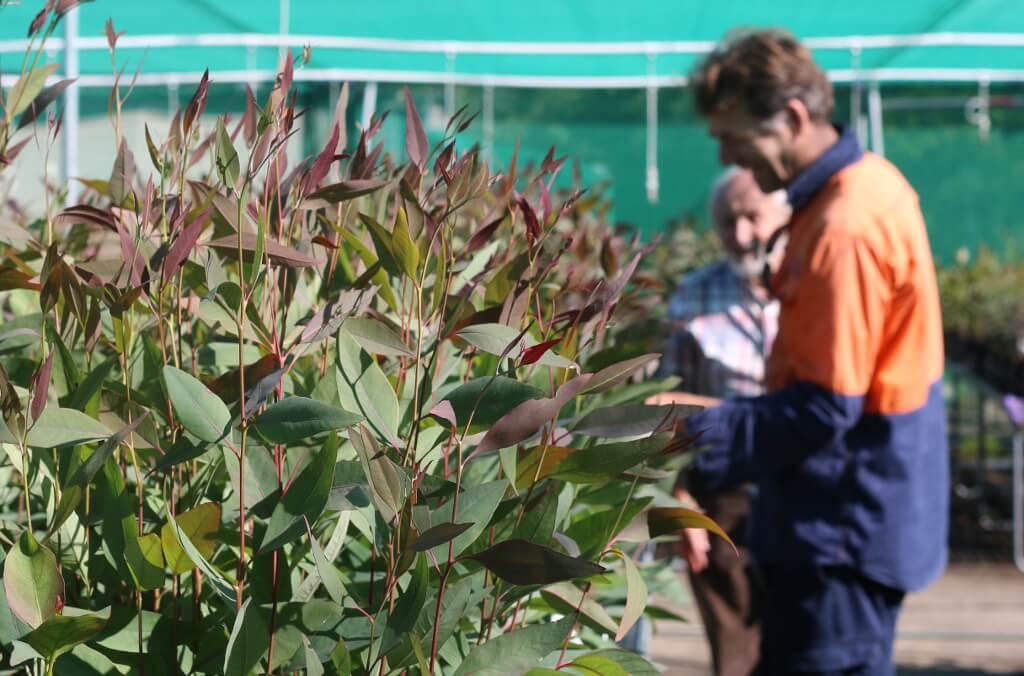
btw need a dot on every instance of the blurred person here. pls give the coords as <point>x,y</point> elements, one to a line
<point>722,324</point>
<point>848,448</point>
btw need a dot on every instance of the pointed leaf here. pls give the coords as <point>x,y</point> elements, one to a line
<point>248,641</point>
<point>608,461</point>
<point>32,582</point>
<point>364,389</point>
<point>547,457</point>
<point>201,411</point>
<point>376,337</point>
<point>516,652</point>
<point>326,570</point>
<point>525,420</point>
<point>295,418</point>
<point>74,491</point>
<point>407,255</point>
<point>636,595</point>
<point>200,525</point>
<point>630,663</point>
<point>344,191</point>
<point>183,450</point>
<point>210,574</point>
<point>610,376</point>
<point>477,506</point>
<point>278,253</point>
<point>183,245</point>
<point>304,501</point>
<point>488,399</point>
<point>65,427</point>
<point>439,535</point>
<point>668,520</point>
<point>41,387</point>
<point>415,138</point>
<point>631,420</point>
<point>386,488</point>
<point>566,598</point>
<point>25,90</point>
<point>499,340</point>
<point>60,634</point>
<point>525,563</point>
<point>226,156</point>
<point>42,102</point>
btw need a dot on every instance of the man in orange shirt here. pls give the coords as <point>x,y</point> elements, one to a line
<point>848,447</point>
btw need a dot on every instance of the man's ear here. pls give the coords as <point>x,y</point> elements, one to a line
<point>796,116</point>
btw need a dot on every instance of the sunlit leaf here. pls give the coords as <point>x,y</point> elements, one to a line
<point>527,418</point>
<point>636,595</point>
<point>566,598</point>
<point>211,575</point>
<point>25,90</point>
<point>607,461</point>
<point>248,641</point>
<point>32,582</point>
<point>517,651</point>
<point>488,399</point>
<point>65,427</point>
<point>60,634</point>
<point>609,377</point>
<point>200,525</point>
<point>295,418</point>
<point>376,337</point>
<point>668,520</point>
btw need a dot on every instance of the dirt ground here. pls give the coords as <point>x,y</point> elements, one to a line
<point>970,623</point>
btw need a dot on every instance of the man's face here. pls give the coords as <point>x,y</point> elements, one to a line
<point>745,220</point>
<point>764,147</point>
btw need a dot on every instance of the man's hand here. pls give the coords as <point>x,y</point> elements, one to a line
<point>693,544</point>
<point>682,399</point>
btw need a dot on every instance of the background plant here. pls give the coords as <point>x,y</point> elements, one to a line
<point>341,415</point>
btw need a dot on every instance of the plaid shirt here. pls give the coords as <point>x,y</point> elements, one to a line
<point>720,334</point>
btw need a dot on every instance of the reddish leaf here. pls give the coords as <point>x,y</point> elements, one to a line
<point>197,104</point>
<point>444,411</point>
<point>528,418</point>
<point>41,387</point>
<point>322,165</point>
<point>533,231</point>
<point>40,19</point>
<point>40,103</point>
<point>279,254</point>
<point>545,199</point>
<point>249,118</point>
<point>12,278</point>
<point>13,152</point>
<point>415,137</point>
<point>532,354</point>
<point>183,245</point>
<point>83,213</point>
<point>439,535</point>
<point>324,242</point>
<point>226,386</point>
<point>346,190</point>
<point>483,235</point>
<point>112,37</point>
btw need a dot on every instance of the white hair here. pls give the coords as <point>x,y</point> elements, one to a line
<point>719,187</point>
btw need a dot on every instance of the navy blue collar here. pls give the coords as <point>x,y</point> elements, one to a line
<point>842,154</point>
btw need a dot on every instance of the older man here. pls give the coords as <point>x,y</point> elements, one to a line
<point>723,323</point>
<point>848,448</point>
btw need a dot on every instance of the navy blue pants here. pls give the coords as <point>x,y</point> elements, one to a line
<point>827,622</point>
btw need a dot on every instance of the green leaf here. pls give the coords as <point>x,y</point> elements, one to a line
<point>313,665</point>
<point>200,525</point>
<point>226,156</point>
<point>60,634</point>
<point>305,499</point>
<point>476,506</point>
<point>593,531</point>
<point>143,555</point>
<point>668,520</point>
<point>598,665</point>
<point>295,418</point>
<point>92,384</point>
<point>636,595</point>
<point>386,487</point>
<point>326,570</point>
<point>347,190</point>
<point>32,582</point>
<point>608,461</point>
<point>213,576</point>
<point>496,338</point>
<point>201,411</point>
<point>65,427</point>
<point>516,652</point>
<point>630,662</point>
<point>491,398</point>
<point>76,486</point>
<point>363,388</point>
<point>631,420</point>
<point>609,377</point>
<point>439,535</point>
<point>376,337</point>
<point>525,563</point>
<point>248,641</point>
<point>25,90</point>
<point>181,451</point>
<point>405,250</point>
<point>252,271</point>
<point>566,598</point>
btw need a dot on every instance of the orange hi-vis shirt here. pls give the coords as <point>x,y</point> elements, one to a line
<point>848,448</point>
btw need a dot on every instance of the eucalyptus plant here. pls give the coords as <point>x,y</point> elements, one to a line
<point>337,415</point>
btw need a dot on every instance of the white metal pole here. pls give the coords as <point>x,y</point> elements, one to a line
<point>856,96</point>
<point>369,103</point>
<point>71,109</point>
<point>449,85</point>
<point>283,19</point>
<point>875,115</point>
<point>652,179</point>
<point>488,124</point>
